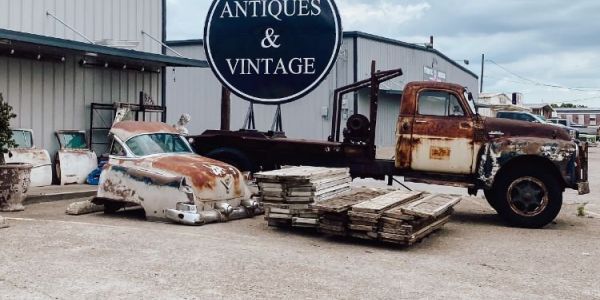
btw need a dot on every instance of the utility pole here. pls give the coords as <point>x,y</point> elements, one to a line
<point>225,109</point>
<point>482,68</point>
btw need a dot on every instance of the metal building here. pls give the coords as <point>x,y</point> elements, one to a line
<point>59,56</point>
<point>198,92</point>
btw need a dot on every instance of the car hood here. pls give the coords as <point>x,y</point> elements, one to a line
<point>514,128</point>
<point>210,179</point>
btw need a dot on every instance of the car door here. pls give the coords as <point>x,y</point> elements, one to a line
<point>442,134</point>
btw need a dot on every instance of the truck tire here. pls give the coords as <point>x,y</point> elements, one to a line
<point>233,157</point>
<point>528,198</point>
<point>491,197</point>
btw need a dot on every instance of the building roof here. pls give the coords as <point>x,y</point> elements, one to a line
<point>579,110</point>
<point>538,105</point>
<point>27,42</point>
<point>357,34</point>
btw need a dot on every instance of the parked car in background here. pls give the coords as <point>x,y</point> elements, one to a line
<point>529,117</point>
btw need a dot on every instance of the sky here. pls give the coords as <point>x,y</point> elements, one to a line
<point>548,50</point>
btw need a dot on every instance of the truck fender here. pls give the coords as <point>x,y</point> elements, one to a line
<point>557,156</point>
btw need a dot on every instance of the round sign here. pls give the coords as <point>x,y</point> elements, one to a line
<point>272,51</point>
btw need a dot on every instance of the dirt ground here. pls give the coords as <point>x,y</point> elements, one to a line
<point>46,254</point>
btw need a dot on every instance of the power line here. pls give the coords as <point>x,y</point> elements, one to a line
<point>538,83</point>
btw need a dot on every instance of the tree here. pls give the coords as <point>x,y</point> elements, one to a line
<point>568,105</point>
<point>6,141</point>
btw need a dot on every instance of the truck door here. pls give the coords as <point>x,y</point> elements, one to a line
<point>442,134</point>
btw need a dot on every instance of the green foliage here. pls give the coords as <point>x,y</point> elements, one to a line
<point>6,141</point>
<point>568,105</point>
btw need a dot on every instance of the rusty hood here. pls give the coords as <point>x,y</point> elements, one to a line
<point>495,127</point>
<point>209,178</point>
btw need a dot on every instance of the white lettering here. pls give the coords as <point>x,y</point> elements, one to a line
<point>227,10</point>
<point>316,5</point>
<point>270,66</point>
<point>273,8</point>
<point>234,67</point>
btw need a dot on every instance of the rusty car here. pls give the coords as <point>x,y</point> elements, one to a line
<point>523,168</point>
<point>27,152</point>
<point>151,165</point>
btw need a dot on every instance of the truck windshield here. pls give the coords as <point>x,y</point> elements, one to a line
<point>158,143</point>
<point>471,103</point>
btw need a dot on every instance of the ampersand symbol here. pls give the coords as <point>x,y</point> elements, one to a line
<point>270,40</point>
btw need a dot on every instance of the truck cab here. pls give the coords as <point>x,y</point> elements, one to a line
<point>523,168</point>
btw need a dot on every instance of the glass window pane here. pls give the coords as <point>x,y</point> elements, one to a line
<point>455,109</point>
<point>433,103</point>
<point>73,140</point>
<point>23,139</point>
<point>157,143</point>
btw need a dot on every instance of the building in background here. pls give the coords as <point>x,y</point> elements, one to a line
<point>59,56</point>
<point>542,109</point>
<point>581,116</point>
<point>491,103</point>
<point>198,92</point>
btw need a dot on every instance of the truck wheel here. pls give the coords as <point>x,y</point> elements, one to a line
<point>233,157</point>
<point>492,198</point>
<point>528,198</point>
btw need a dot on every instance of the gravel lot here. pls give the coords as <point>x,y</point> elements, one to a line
<point>46,254</point>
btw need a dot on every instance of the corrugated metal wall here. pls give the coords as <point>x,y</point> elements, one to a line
<point>197,91</point>
<point>96,19</point>
<point>50,96</point>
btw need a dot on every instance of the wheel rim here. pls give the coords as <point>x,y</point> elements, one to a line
<point>528,196</point>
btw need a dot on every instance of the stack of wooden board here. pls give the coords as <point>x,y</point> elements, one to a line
<point>411,222</point>
<point>364,216</point>
<point>333,213</point>
<point>288,193</point>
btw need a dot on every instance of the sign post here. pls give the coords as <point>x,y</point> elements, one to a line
<point>272,51</point>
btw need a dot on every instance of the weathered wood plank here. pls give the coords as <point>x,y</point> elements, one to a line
<point>380,204</point>
<point>432,206</point>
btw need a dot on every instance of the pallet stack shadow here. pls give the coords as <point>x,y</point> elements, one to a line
<point>288,194</point>
<point>396,217</point>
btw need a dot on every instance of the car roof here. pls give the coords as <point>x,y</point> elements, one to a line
<point>127,129</point>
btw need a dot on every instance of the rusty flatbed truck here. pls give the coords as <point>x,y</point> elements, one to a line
<point>523,168</point>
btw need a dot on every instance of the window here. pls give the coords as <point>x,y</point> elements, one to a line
<point>72,140</point>
<point>157,143</point>
<point>23,139</point>
<point>443,104</point>
<point>117,149</point>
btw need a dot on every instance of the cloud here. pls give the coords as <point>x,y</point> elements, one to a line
<point>551,41</point>
<point>365,15</point>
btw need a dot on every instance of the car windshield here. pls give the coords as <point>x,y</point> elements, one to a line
<point>157,143</point>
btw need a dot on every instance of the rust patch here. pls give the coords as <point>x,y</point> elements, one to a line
<point>202,171</point>
<point>128,129</point>
<point>439,153</point>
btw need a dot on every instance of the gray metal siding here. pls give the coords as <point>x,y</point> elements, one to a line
<point>96,19</point>
<point>49,96</point>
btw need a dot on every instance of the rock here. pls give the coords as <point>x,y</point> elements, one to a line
<point>83,207</point>
<point>3,223</point>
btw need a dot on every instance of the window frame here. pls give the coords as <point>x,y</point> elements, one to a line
<point>466,114</point>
